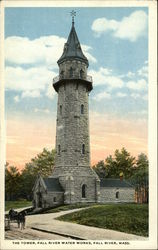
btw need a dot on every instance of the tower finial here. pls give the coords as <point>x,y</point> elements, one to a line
<point>73,14</point>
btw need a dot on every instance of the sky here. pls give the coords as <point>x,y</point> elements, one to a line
<point>115,41</point>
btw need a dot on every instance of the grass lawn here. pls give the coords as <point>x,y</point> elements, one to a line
<point>69,207</point>
<point>128,218</point>
<point>17,204</point>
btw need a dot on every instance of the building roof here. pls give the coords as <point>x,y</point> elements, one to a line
<point>72,48</point>
<point>114,183</point>
<point>53,184</point>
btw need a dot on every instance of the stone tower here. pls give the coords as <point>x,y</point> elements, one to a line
<point>72,162</point>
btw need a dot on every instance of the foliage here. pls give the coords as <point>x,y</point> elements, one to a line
<point>42,164</point>
<point>122,162</point>
<point>100,169</point>
<point>116,217</point>
<point>19,185</point>
<point>12,182</point>
<point>140,179</point>
<point>140,175</point>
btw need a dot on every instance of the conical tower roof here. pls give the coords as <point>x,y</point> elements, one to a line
<point>72,48</point>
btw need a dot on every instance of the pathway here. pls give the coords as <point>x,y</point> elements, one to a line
<point>48,223</point>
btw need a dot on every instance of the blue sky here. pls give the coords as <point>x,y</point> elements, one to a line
<point>115,41</point>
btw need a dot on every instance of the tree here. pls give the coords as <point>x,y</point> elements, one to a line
<point>19,185</point>
<point>12,182</point>
<point>122,162</point>
<point>140,178</point>
<point>100,169</point>
<point>42,164</point>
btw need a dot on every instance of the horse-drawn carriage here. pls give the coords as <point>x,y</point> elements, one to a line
<point>17,217</point>
<point>12,216</point>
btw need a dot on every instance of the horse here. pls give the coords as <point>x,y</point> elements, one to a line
<point>13,215</point>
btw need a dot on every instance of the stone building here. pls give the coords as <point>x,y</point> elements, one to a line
<point>73,180</point>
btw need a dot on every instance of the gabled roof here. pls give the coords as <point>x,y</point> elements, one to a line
<point>114,183</point>
<point>72,49</point>
<point>53,184</point>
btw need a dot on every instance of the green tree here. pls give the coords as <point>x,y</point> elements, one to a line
<point>122,162</point>
<point>42,164</point>
<point>140,178</point>
<point>100,169</point>
<point>13,182</point>
<point>140,173</point>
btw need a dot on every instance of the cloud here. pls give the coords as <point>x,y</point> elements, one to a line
<point>102,25</point>
<point>130,74</point>
<point>121,95</point>
<point>143,72</point>
<point>145,97</point>
<point>40,55</point>
<point>87,54</point>
<point>46,111</point>
<point>139,96</point>
<point>35,78</point>
<point>129,28</point>
<point>50,92</point>
<point>140,112</point>
<point>45,50</point>
<point>104,77</point>
<point>16,98</point>
<point>137,85</point>
<point>103,95</point>
<point>135,95</point>
<point>33,94</point>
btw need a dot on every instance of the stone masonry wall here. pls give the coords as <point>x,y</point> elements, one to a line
<point>53,199</point>
<point>72,165</point>
<point>109,195</point>
<point>72,126</point>
<point>75,65</point>
<point>48,198</point>
<point>73,188</point>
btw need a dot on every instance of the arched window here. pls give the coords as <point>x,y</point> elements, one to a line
<point>82,109</point>
<point>71,72</point>
<point>59,149</point>
<point>83,191</point>
<point>117,194</point>
<point>83,149</point>
<point>60,109</point>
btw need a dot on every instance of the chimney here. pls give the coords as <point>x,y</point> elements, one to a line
<point>121,176</point>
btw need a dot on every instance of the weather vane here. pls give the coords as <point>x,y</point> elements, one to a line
<point>73,14</point>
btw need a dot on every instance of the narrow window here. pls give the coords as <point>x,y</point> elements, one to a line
<point>117,194</point>
<point>71,72</point>
<point>54,199</point>
<point>59,149</point>
<point>60,109</point>
<point>83,149</point>
<point>81,73</point>
<point>82,109</point>
<point>83,191</point>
